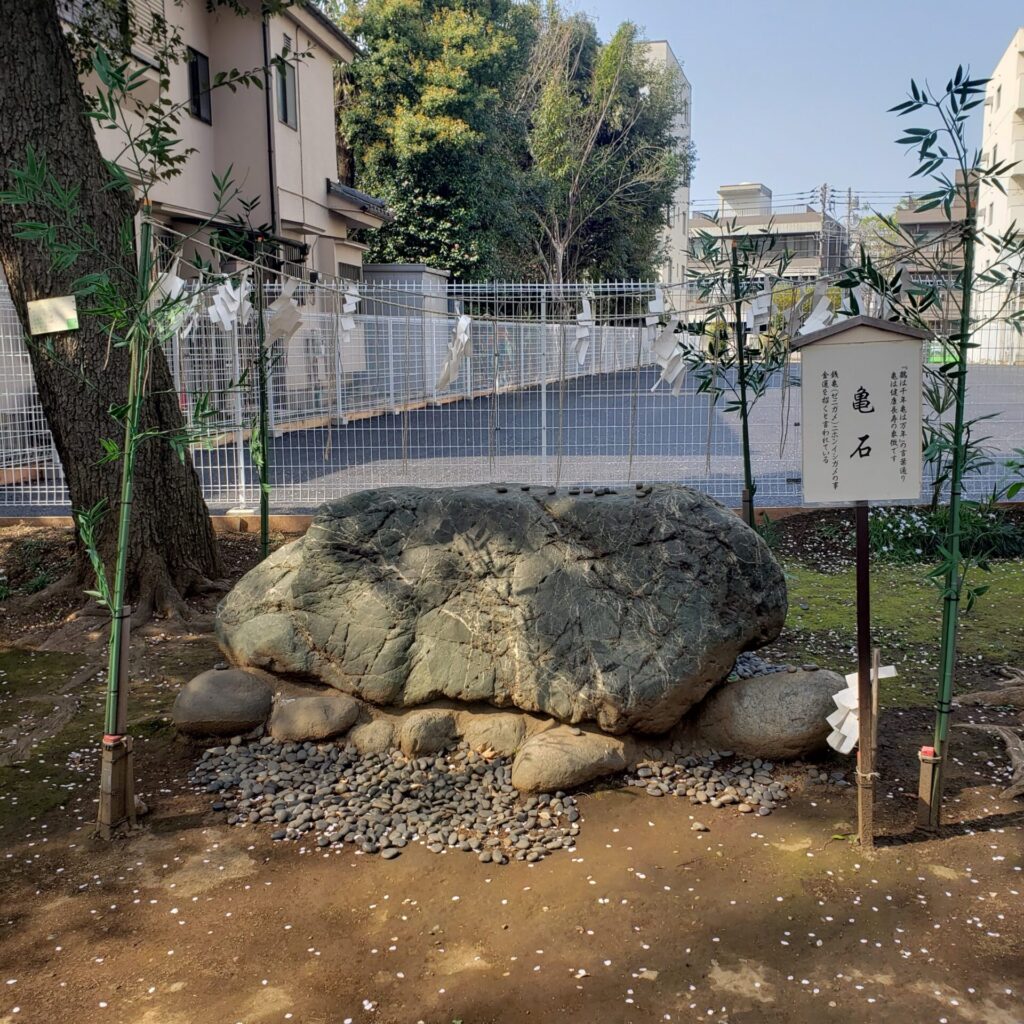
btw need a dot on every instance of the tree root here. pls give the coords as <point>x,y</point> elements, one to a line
<point>1009,694</point>
<point>158,594</point>
<point>1014,750</point>
<point>207,586</point>
<point>58,590</point>
<point>162,597</point>
<point>1006,697</point>
<point>18,740</point>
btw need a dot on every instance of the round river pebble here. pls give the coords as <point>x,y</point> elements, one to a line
<point>328,795</point>
<point>715,779</point>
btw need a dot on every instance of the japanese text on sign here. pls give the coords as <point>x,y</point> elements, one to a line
<point>861,420</point>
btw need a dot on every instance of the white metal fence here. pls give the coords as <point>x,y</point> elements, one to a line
<point>363,408</point>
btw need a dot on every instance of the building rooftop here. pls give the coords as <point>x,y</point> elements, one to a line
<point>806,220</point>
<point>334,29</point>
<point>368,203</point>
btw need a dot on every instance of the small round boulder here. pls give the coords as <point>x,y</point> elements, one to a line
<point>373,737</point>
<point>427,732</point>
<point>502,732</point>
<point>315,718</point>
<point>777,716</point>
<point>222,703</point>
<point>564,758</point>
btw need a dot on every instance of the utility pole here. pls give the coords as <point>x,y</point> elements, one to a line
<point>823,237</point>
<point>849,220</point>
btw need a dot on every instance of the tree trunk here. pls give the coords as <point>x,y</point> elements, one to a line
<point>173,550</point>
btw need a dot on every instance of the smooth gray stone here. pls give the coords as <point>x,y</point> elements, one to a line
<point>221,703</point>
<point>778,716</point>
<point>319,717</point>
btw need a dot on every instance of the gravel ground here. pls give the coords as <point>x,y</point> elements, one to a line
<point>327,795</point>
<point>711,780</point>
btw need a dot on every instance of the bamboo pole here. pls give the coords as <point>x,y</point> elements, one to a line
<point>865,697</point>
<point>749,487</point>
<point>951,595</point>
<point>138,351</point>
<point>117,786</point>
<point>263,467</point>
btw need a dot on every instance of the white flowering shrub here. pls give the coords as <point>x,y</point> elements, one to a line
<point>915,534</point>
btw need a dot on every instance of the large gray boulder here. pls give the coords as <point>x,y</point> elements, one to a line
<point>777,716</point>
<point>222,703</point>
<point>622,609</point>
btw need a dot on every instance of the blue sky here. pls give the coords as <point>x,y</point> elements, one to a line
<point>794,93</point>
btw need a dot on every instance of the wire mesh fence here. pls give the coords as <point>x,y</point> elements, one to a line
<point>553,386</point>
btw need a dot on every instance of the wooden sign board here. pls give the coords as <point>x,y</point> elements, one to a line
<point>861,412</point>
<point>50,316</point>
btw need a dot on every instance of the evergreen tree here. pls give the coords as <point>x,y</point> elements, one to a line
<point>429,116</point>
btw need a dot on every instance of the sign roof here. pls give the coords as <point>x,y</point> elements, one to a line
<point>890,326</point>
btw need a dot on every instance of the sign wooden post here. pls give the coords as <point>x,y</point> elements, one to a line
<point>865,733</point>
<point>861,423</point>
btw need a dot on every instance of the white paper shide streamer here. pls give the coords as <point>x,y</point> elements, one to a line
<point>168,286</point>
<point>655,308</point>
<point>349,306</point>
<point>759,312</point>
<point>821,310</point>
<point>670,352</point>
<point>584,321</point>
<point>285,318</point>
<point>230,306</point>
<point>175,308</point>
<point>458,348</point>
<point>845,720</point>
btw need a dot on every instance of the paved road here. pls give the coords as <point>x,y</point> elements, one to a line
<point>615,431</point>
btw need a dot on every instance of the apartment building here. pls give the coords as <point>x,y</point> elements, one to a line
<point>937,260</point>
<point>1001,210</point>
<point>816,242</point>
<point>1003,140</point>
<point>280,142</point>
<point>675,238</point>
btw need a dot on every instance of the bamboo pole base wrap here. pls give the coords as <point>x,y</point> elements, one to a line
<point>929,765</point>
<point>117,786</point>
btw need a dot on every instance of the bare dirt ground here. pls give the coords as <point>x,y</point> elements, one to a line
<point>770,919</point>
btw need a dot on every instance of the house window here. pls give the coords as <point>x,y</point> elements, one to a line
<point>350,271</point>
<point>199,85</point>
<point>287,110</point>
<point>995,153</point>
<point>999,95</point>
